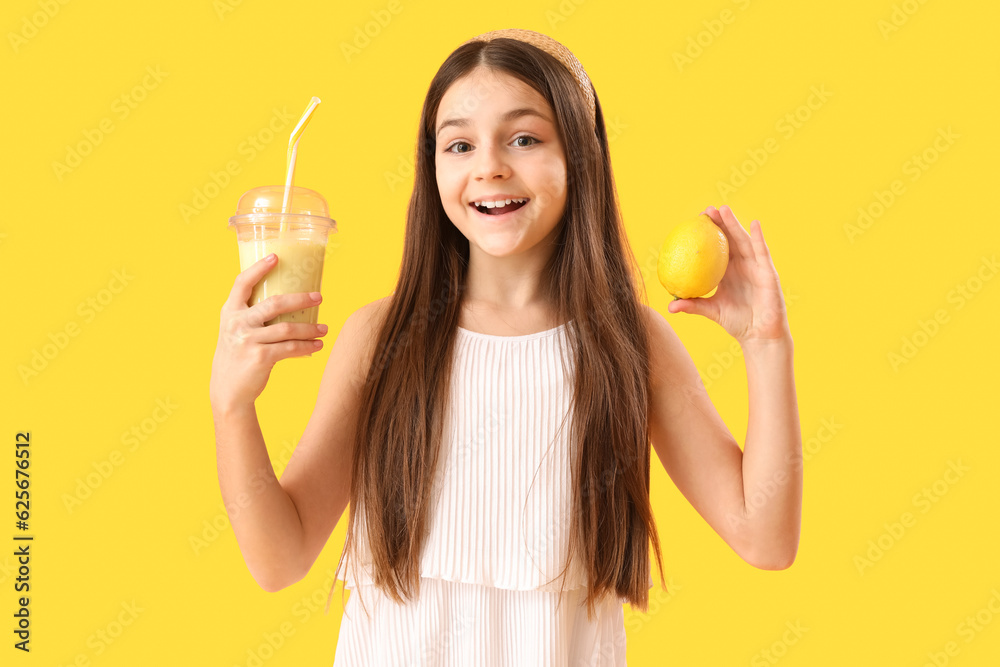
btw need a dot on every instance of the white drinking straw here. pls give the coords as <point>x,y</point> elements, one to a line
<point>293,145</point>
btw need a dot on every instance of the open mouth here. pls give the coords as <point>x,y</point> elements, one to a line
<point>500,210</point>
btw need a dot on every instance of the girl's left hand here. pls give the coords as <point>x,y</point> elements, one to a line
<point>748,302</point>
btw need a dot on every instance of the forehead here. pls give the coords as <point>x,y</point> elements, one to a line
<point>485,93</point>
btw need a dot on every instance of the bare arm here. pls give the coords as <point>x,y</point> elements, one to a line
<point>723,483</point>
<point>281,526</point>
<point>318,476</point>
<point>261,513</point>
<point>772,457</point>
<point>264,519</point>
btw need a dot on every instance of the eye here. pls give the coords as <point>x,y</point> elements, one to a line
<point>457,143</point>
<point>529,141</point>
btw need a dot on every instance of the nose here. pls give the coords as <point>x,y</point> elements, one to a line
<point>490,163</point>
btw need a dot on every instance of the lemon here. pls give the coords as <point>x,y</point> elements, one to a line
<point>693,258</point>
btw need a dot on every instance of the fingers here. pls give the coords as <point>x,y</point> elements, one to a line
<point>282,331</point>
<point>289,348</point>
<point>739,240</point>
<point>759,245</point>
<point>244,284</point>
<point>265,356</point>
<point>267,344</point>
<point>277,304</point>
<point>706,307</point>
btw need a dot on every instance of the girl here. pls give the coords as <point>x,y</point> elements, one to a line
<point>489,422</point>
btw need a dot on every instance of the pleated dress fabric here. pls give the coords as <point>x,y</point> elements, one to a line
<point>498,529</point>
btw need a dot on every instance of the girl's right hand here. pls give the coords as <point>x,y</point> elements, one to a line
<point>247,350</point>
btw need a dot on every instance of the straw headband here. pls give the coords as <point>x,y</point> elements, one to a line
<point>554,49</point>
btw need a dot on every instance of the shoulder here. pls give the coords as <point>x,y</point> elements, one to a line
<point>667,354</point>
<point>368,317</point>
<point>360,330</point>
<point>652,315</point>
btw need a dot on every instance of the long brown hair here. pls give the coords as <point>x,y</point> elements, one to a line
<point>594,282</point>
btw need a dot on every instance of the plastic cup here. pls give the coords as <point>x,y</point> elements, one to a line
<point>298,237</point>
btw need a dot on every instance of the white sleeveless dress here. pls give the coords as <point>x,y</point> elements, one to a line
<point>498,530</point>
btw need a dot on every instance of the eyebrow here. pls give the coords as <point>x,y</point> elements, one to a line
<point>513,114</point>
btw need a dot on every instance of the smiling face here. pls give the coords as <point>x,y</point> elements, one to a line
<point>497,140</point>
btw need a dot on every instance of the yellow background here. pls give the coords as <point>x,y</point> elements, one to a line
<point>876,433</point>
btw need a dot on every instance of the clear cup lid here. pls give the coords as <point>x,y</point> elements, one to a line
<point>267,200</point>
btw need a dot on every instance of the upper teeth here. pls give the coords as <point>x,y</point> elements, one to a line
<point>501,202</point>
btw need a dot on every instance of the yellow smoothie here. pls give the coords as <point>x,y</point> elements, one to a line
<point>299,269</point>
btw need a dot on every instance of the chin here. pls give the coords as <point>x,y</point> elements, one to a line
<point>498,252</point>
